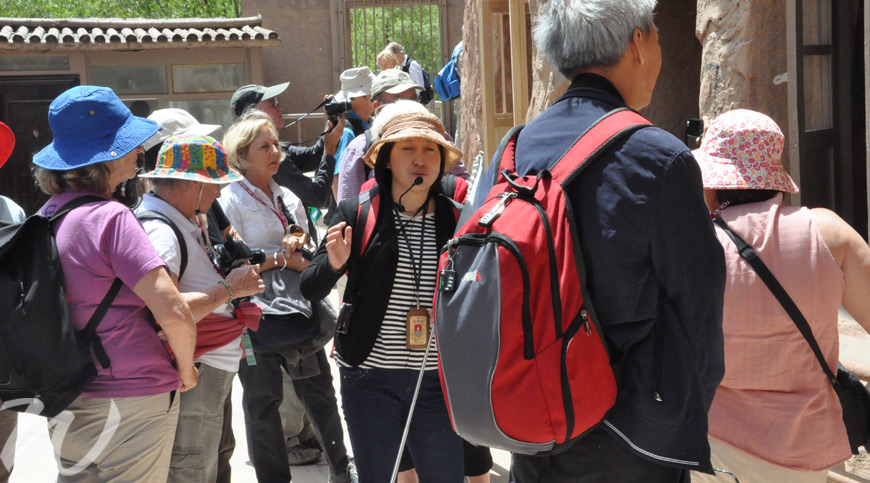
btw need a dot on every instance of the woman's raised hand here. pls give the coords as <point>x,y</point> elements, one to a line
<point>338,242</point>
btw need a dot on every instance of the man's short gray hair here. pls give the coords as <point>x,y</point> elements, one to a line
<point>583,34</point>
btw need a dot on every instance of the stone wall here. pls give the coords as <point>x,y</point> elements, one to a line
<point>675,97</point>
<point>471,110</point>
<point>744,63</point>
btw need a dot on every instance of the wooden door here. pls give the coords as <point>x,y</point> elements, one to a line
<point>24,102</point>
<point>821,116</point>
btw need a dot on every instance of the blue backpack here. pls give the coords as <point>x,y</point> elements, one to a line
<point>447,83</point>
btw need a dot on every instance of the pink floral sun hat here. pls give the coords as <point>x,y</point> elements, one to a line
<point>742,149</point>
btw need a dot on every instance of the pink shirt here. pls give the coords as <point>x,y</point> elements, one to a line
<point>775,402</point>
<point>98,242</point>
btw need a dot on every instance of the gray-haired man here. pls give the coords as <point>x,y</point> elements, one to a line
<point>655,270</point>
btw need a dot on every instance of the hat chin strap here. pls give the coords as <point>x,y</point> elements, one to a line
<point>199,199</point>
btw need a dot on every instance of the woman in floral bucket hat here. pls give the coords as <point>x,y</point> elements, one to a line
<point>776,417</point>
<point>100,244</point>
<point>187,178</point>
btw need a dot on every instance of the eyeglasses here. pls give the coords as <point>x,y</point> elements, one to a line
<point>273,102</point>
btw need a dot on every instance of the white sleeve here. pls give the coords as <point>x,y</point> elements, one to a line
<point>165,244</point>
<point>416,73</point>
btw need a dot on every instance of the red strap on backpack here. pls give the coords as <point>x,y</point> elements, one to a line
<point>600,136</point>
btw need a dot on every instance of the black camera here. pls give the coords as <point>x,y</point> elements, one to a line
<point>335,107</point>
<point>233,253</point>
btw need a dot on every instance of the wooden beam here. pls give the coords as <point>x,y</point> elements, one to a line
<point>519,60</point>
<point>487,81</point>
<point>794,49</point>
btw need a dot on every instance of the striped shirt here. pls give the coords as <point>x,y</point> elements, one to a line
<point>390,350</point>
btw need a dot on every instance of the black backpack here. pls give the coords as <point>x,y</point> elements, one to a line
<point>182,245</point>
<point>44,363</point>
<point>428,93</point>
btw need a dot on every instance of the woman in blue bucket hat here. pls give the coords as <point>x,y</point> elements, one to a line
<point>122,426</point>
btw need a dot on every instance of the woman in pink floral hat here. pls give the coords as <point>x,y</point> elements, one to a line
<point>776,417</point>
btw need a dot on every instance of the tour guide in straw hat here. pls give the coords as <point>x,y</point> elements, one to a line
<point>190,172</point>
<point>96,143</point>
<point>378,369</point>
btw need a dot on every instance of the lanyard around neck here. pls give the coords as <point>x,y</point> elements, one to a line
<point>281,216</point>
<point>417,270</point>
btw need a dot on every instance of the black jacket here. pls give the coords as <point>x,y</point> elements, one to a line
<point>370,278</point>
<point>312,191</point>
<point>655,272</point>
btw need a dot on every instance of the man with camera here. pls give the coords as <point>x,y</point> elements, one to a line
<point>655,269</point>
<point>190,172</point>
<point>314,192</point>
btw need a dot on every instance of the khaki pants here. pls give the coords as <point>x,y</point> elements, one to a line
<point>200,425</point>
<point>120,439</point>
<point>752,470</point>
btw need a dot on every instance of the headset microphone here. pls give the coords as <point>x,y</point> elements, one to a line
<point>418,180</point>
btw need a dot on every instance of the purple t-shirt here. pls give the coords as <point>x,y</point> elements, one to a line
<point>98,242</point>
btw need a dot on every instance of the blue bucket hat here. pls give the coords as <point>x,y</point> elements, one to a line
<point>91,125</point>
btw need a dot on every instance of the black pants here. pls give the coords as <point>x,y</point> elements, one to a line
<point>597,457</point>
<point>262,397</point>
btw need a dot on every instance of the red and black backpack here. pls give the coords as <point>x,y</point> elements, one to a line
<point>523,363</point>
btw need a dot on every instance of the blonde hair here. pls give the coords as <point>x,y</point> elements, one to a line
<point>388,55</point>
<point>396,48</point>
<point>241,134</point>
<point>93,178</point>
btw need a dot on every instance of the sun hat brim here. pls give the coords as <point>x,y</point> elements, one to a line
<point>216,176</point>
<point>452,154</point>
<point>64,157</point>
<point>723,174</point>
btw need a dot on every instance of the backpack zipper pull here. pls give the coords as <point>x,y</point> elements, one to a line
<point>585,316</point>
<point>21,296</point>
<point>496,211</point>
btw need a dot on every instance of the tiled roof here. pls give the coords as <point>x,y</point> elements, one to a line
<point>132,34</point>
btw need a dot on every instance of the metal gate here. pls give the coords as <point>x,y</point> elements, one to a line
<point>416,24</point>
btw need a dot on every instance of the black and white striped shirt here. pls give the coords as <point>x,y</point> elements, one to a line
<point>390,350</point>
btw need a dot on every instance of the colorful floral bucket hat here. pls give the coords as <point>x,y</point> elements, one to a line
<point>742,149</point>
<point>195,158</point>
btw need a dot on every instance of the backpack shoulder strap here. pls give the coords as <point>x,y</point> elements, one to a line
<point>75,203</point>
<point>600,136</point>
<point>454,192</point>
<point>90,330</point>
<point>366,216</point>
<point>182,245</point>
<point>505,152</point>
<point>406,64</point>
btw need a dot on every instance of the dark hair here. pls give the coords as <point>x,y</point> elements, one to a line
<point>151,157</point>
<point>384,177</point>
<point>739,197</point>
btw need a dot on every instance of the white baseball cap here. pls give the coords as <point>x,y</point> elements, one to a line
<point>176,122</point>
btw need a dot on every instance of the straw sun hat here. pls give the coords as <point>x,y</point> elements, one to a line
<point>414,125</point>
